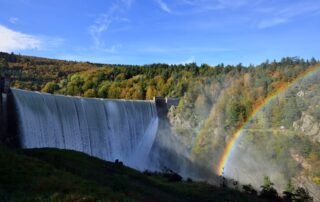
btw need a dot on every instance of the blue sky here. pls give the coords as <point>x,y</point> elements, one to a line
<point>166,31</point>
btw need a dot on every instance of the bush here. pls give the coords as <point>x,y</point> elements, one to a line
<point>267,191</point>
<point>249,189</point>
<point>171,176</point>
<point>302,194</point>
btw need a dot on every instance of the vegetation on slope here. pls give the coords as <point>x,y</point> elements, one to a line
<point>215,101</point>
<point>61,175</point>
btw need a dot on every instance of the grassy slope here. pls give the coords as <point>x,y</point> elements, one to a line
<point>60,175</point>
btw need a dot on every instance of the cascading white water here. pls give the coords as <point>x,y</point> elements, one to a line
<point>107,129</point>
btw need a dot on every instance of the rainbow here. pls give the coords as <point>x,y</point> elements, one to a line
<point>236,135</point>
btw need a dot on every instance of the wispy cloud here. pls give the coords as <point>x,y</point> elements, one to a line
<point>187,7</point>
<point>272,22</point>
<point>11,40</point>
<point>100,25</point>
<point>262,13</point>
<point>127,3</point>
<point>277,16</point>
<point>209,5</point>
<point>13,20</point>
<point>103,22</point>
<point>163,6</point>
<point>232,2</point>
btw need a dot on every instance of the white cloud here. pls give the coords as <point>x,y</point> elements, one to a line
<point>164,6</point>
<point>11,40</point>
<point>13,20</point>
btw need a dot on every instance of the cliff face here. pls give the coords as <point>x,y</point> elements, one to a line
<point>282,140</point>
<point>304,179</point>
<point>306,182</point>
<point>309,126</point>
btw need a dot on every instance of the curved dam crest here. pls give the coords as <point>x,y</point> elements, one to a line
<point>107,129</point>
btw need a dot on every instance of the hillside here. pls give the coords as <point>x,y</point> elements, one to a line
<point>60,175</point>
<point>280,140</point>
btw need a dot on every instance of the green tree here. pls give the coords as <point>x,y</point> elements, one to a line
<point>50,87</point>
<point>151,92</point>
<point>267,190</point>
<point>302,195</point>
<point>249,189</point>
<point>103,89</point>
<point>3,64</point>
<point>288,193</point>
<point>90,93</point>
<point>114,91</point>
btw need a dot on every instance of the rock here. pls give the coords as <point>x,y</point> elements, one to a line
<point>300,93</point>
<point>301,160</point>
<point>309,126</point>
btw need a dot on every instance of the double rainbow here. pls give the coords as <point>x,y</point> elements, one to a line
<point>223,162</point>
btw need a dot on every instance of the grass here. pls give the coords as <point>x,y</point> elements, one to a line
<point>63,175</point>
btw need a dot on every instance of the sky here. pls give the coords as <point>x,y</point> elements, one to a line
<point>161,31</point>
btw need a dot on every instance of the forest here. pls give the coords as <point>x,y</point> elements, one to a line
<point>214,102</point>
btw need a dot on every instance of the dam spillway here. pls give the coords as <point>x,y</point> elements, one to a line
<point>107,129</point>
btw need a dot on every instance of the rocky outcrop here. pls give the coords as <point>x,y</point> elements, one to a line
<point>179,121</point>
<point>301,160</point>
<point>304,180</point>
<point>309,126</point>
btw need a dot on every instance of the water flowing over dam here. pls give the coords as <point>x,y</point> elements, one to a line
<point>107,129</point>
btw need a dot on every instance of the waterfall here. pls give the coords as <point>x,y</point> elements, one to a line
<point>107,129</point>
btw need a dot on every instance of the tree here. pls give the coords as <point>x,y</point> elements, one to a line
<point>114,91</point>
<point>267,191</point>
<point>302,195</point>
<point>249,189</point>
<point>237,112</point>
<point>3,64</point>
<point>151,92</point>
<point>50,87</point>
<point>288,194</point>
<point>290,109</point>
<point>103,89</point>
<point>90,93</point>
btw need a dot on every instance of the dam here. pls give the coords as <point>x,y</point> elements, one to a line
<point>109,129</point>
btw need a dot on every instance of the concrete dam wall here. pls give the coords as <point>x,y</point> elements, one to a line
<point>104,128</point>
